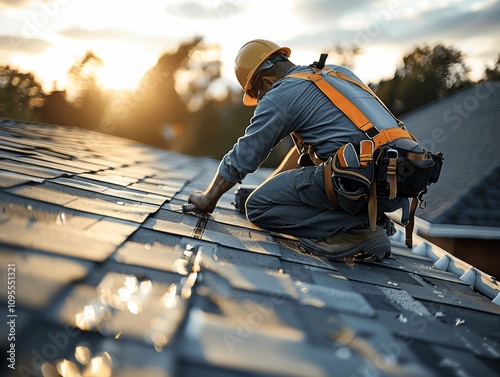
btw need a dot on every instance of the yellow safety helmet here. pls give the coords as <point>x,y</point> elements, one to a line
<point>248,61</point>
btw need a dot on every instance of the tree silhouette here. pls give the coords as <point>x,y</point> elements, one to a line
<point>155,104</point>
<point>20,94</point>
<point>426,74</point>
<point>148,114</point>
<point>195,78</point>
<point>82,80</point>
<point>492,74</point>
<point>83,103</point>
<point>344,55</point>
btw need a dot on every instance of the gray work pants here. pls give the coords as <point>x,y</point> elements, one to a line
<point>294,202</point>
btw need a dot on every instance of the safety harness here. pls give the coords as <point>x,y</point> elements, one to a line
<point>377,151</point>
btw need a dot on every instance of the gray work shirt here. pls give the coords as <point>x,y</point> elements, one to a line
<point>296,105</point>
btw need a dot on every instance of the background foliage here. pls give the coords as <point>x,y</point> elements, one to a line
<point>174,107</point>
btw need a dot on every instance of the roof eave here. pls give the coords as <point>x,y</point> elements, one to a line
<point>456,231</point>
<point>426,228</point>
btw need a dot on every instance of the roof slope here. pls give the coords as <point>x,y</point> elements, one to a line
<point>465,126</point>
<point>111,278</point>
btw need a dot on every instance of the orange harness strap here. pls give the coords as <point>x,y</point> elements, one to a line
<point>379,137</point>
<point>333,73</point>
<point>390,134</point>
<point>341,101</point>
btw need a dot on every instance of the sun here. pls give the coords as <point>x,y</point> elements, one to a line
<point>123,65</point>
<point>116,76</point>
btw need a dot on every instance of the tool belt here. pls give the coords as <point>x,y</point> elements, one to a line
<point>399,169</point>
<point>390,161</point>
<point>356,173</point>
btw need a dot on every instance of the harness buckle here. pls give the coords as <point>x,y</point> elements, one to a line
<point>392,153</point>
<point>321,63</point>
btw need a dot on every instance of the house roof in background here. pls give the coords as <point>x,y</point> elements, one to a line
<point>111,275</point>
<point>465,126</point>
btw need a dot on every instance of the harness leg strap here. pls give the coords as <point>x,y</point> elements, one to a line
<point>405,211</point>
<point>391,178</point>
<point>327,179</point>
<point>372,208</point>
<point>411,223</point>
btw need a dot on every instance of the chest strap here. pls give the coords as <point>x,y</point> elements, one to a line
<point>379,137</point>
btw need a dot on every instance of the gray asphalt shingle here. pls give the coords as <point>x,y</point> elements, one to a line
<point>112,276</point>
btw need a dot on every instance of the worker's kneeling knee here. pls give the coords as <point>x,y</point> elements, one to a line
<point>252,209</point>
<point>249,209</point>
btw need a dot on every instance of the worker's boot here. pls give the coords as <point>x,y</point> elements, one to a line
<point>356,244</point>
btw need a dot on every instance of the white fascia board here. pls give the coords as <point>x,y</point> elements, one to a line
<point>456,231</point>
<point>426,228</point>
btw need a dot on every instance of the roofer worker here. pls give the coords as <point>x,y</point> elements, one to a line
<point>300,201</point>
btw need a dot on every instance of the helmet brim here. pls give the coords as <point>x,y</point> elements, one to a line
<point>248,100</point>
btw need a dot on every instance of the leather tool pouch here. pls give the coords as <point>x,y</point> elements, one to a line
<point>353,172</point>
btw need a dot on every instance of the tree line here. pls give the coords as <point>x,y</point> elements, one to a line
<point>172,107</point>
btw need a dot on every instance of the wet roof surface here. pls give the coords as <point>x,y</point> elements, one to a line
<point>113,279</point>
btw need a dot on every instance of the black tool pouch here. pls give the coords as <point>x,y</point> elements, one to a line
<point>414,177</point>
<point>404,168</point>
<point>352,178</point>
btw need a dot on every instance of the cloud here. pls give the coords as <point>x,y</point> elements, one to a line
<point>118,35</point>
<point>346,23</point>
<point>80,33</point>
<point>14,3</point>
<point>197,10</point>
<point>20,44</point>
<point>451,24</point>
<point>385,35</point>
<point>322,10</point>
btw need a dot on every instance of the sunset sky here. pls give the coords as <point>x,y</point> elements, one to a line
<point>47,36</point>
